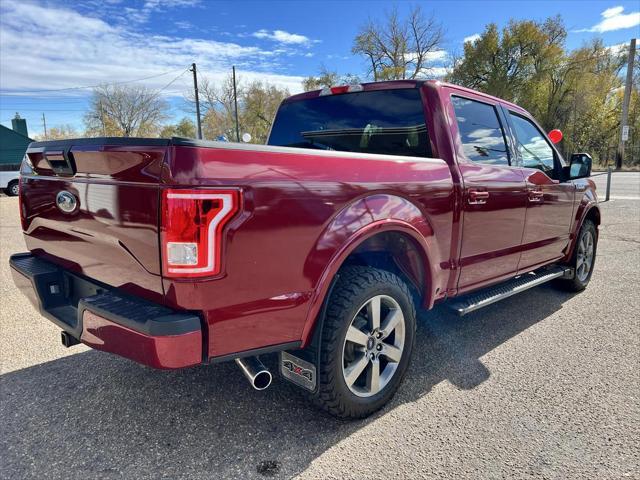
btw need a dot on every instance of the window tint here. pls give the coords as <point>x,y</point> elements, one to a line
<point>534,150</point>
<point>480,132</point>
<point>389,122</point>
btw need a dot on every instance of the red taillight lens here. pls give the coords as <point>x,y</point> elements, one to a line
<point>191,231</point>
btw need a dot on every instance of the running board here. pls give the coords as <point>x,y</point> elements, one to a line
<point>476,300</point>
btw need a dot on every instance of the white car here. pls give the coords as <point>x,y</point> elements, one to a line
<point>9,182</point>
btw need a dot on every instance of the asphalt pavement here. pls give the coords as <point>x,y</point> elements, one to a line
<point>545,384</point>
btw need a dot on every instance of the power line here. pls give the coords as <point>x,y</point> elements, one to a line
<point>88,86</point>
<point>171,82</point>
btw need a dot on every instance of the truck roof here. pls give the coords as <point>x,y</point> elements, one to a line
<point>395,84</point>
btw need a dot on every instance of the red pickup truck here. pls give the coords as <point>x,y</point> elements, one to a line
<point>368,202</point>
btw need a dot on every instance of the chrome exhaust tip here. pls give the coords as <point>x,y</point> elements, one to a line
<point>255,371</point>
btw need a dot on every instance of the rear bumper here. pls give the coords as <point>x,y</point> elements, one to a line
<point>105,319</point>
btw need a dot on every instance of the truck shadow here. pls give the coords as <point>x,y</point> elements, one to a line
<point>94,415</point>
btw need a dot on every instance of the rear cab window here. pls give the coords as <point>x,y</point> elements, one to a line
<point>481,134</point>
<point>389,122</point>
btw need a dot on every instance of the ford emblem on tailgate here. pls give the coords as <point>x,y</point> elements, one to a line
<point>66,202</point>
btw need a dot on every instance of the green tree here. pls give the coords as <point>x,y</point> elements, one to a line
<point>257,105</point>
<point>328,78</point>
<point>185,128</point>
<point>509,64</point>
<point>576,91</point>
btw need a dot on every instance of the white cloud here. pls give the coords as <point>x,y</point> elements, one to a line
<point>614,18</point>
<point>612,12</point>
<point>39,54</point>
<point>618,48</point>
<point>471,38</point>
<point>282,36</point>
<point>437,56</point>
<point>439,72</point>
<point>183,25</point>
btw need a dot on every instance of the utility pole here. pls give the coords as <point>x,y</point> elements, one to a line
<point>195,89</point>
<point>624,120</point>
<point>44,124</point>
<point>235,102</point>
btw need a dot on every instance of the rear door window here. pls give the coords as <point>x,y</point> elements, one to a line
<point>481,133</point>
<point>390,122</point>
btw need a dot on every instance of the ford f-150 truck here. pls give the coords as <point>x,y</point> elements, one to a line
<point>368,202</point>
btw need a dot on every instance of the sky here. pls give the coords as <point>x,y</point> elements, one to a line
<point>48,48</point>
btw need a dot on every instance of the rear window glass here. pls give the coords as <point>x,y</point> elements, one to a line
<point>480,132</point>
<point>388,122</point>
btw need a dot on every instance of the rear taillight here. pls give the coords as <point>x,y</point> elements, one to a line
<point>191,230</point>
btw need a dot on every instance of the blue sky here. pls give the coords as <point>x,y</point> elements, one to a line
<point>57,44</point>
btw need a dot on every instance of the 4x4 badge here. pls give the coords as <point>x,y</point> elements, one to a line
<point>298,371</point>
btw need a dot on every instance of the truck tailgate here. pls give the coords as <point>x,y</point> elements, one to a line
<point>111,189</point>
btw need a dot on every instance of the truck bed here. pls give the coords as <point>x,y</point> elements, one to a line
<point>299,207</point>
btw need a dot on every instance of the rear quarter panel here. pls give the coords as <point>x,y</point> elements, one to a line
<point>301,214</point>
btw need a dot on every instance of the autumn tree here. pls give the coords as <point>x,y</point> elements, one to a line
<point>328,78</point>
<point>257,105</point>
<point>59,132</point>
<point>576,91</point>
<point>507,63</point>
<point>399,48</point>
<point>185,128</point>
<point>125,111</point>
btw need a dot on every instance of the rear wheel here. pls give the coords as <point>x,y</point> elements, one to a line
<point>583,259</point>
<point>13,189</point>
<point>366,344</point>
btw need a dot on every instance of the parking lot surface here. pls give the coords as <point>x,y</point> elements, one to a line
<point>545,384</point>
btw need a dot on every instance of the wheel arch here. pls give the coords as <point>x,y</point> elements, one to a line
<point>590,211</point>
<point>390,219</point>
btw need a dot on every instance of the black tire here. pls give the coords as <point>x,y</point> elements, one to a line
<point>12,189</point>
<point>355,287</point>
<point>579,283</point>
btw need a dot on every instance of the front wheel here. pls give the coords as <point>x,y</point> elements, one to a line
<point>367,341</point>
<point>583,259</point>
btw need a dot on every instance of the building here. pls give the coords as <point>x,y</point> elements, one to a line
<point>13,143</point>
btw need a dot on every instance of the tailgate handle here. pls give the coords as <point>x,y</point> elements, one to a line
<point>60,161</point>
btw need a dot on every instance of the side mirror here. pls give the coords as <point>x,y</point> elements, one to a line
<point>555,136</point>
<point>580,166</point>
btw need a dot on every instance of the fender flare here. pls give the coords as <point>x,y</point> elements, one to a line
<point>328,276</point>
<point>586,210</point>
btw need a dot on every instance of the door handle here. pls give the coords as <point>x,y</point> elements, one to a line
<point>476,197</point>
<point>536,195</point>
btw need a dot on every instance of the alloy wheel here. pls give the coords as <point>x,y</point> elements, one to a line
<point>585,256</point>
<point>373,346</point>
